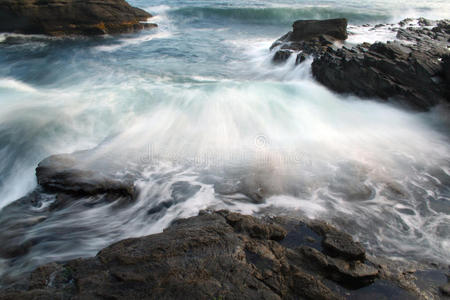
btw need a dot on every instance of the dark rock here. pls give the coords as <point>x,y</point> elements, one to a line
<point>342,245</point>
<point>352,274</point>
<point>312,35</point>
<point>253,227</point>
<point>425,22</point>
<point>386,71</point>
<point>281,56</point>
<point>306,29</point>
<point>67,17</point>
<point>413,75</point>
<point>64,173</point>
<point>197,258</point>
<point>300,58</point>
<point>445,289</point>
<point>214,255</point>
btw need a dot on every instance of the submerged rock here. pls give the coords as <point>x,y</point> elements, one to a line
<point>210,256</point>
<point>67,17</point>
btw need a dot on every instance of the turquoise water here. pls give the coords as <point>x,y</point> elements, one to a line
<point>198,101</point>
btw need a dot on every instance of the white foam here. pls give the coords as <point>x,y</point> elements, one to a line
<point>361,34</point>
<point>10,83</point>
<point>126,42</point>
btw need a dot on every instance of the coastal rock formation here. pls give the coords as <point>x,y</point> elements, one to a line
<point>214,255</point>
<point>63,173</point>
<point>412,71</point>
<point>71,17</point>
<point>307,34</point>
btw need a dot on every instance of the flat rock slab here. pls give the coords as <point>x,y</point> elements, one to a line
<point>342,245</point>
<point>65,173</point>
<point>306,29</point>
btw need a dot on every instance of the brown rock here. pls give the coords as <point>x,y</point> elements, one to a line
<point>67,17</point>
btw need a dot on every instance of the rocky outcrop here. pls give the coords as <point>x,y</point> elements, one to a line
<point>308,34</point>
<point>64,173</point>
<point>412,71</point>
<point>218,255</point>
<point>71,17</point>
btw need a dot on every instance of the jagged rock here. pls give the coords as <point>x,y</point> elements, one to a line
<point>255,228</point>
<point>387,71</point>
<point>414,74</point>
<point>352,274</point>
<point>281,56</point>
<point>213,255</point>
<point>63,17</point>
<point>206,257</point>
<point>300,58</point>
<point>310,36</point>
<point>63,173</point>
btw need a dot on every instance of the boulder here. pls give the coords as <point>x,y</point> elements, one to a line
<point>306,29</point>
<point>65,173</point>
<point>71,17</point>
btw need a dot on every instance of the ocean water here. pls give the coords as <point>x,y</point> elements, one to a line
<point>198,116</point>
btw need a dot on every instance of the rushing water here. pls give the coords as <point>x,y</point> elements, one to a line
<point>197,115</point>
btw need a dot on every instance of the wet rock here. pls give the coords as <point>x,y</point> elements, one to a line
<point>300,58</point>
<point>445,289</point>
<point>414,75</point>
<point>306,29</point>
<point>214,255</point>
<point>309,36</point>
<point>253,227</point>
<point>425,22</point>
<point>352,274</point>
<point>57,17</point>
<point>342,245</point>
<point>281,56</point>
<point>63,173</point>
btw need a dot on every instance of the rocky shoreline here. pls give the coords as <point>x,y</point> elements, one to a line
<point>412,71</point>
<point>71,17</point>
<point>225,255</point>
<point>215,255</point>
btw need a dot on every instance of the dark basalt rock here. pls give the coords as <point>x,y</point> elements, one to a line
<point>413,74</point>
<point>64,173</point>
<point>71,17</point>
